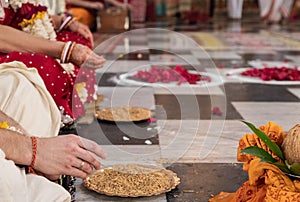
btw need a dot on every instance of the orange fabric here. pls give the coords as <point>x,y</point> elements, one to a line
<point>83,16</point>
<point>266,181</point>
<point>274,131</point>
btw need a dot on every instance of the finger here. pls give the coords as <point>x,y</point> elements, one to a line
<point>86,167</point>
<point>78,173</point>
<point>83,33</point>
<point>93,64</point>
<point>87,31</point>
<point>95,60</point>
<point>92,147</point>
<point>88,157</point>
<point>92,42</point>
<point>91,38</point>
<point>83,165</point>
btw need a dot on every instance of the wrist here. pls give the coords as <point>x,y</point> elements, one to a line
<point>34,144</point>
<point>56,21</point>
<point>65,23</point>
<point>54,49</point>
<point>27,151</point>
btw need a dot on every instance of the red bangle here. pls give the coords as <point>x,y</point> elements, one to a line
<point>34,150</point>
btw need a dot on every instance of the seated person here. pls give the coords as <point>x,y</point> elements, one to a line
<point>86,11</point>
<point>29,124</point>
<point>56,50</point>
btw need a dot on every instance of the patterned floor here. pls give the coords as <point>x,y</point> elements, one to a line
<point>187,137</point>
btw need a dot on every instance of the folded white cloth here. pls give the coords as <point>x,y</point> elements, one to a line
<point>24,97</point>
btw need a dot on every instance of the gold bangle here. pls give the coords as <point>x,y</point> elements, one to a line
<point>70,51</point>
<point>64,53</point>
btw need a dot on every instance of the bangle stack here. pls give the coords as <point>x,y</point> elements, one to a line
<point>34,151</point>
<point>66,23</point>
<point>67,51</point>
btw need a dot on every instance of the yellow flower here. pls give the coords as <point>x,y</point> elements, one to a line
<point>37,16</point>
<point>4,125</point>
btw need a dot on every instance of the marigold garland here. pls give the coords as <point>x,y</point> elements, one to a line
<point>4,125</point>
<point>38,16</point>
<point>39,24</point>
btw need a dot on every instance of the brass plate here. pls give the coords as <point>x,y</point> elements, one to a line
<point>123,114</point>
<point>132,180</point>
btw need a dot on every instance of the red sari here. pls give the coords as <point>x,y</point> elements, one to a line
<point>59,83</point>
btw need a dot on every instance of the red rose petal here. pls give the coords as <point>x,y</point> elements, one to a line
<point>167,75</point>
<point>274,73</point>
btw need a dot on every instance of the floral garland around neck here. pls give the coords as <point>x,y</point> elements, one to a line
<point>39,24</point>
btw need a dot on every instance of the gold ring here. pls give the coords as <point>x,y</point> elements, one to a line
<point>81,165</point>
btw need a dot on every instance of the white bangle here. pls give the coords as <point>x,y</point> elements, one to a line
<point>65,51</point>
<point>65,23</point>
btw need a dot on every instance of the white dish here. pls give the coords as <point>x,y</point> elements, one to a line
<point>262,64</point>
<point>236,73</point>
<point>124,79</point>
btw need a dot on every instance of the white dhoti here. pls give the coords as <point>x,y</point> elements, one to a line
<point>235,8</point>
<point>24,97</point>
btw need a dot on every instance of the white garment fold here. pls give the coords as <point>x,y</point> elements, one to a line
<point>24,97</point>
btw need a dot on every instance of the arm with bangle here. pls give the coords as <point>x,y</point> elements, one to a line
<point>66,21</point>
<point>15,40</point>
<point>62,22</point>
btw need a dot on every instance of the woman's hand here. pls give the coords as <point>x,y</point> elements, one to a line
<point>82,55</point>
<point>68,155</point>
<point>56,21</point>
<point>83,30</point>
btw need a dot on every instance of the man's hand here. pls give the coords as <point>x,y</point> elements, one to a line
<point>68,155</point>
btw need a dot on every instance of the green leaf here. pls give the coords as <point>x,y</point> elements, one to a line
<point>265,157</point>
<point>260,153</point>
<point>295,168</point>
<point>282,167</point>
<point>270,144</point>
